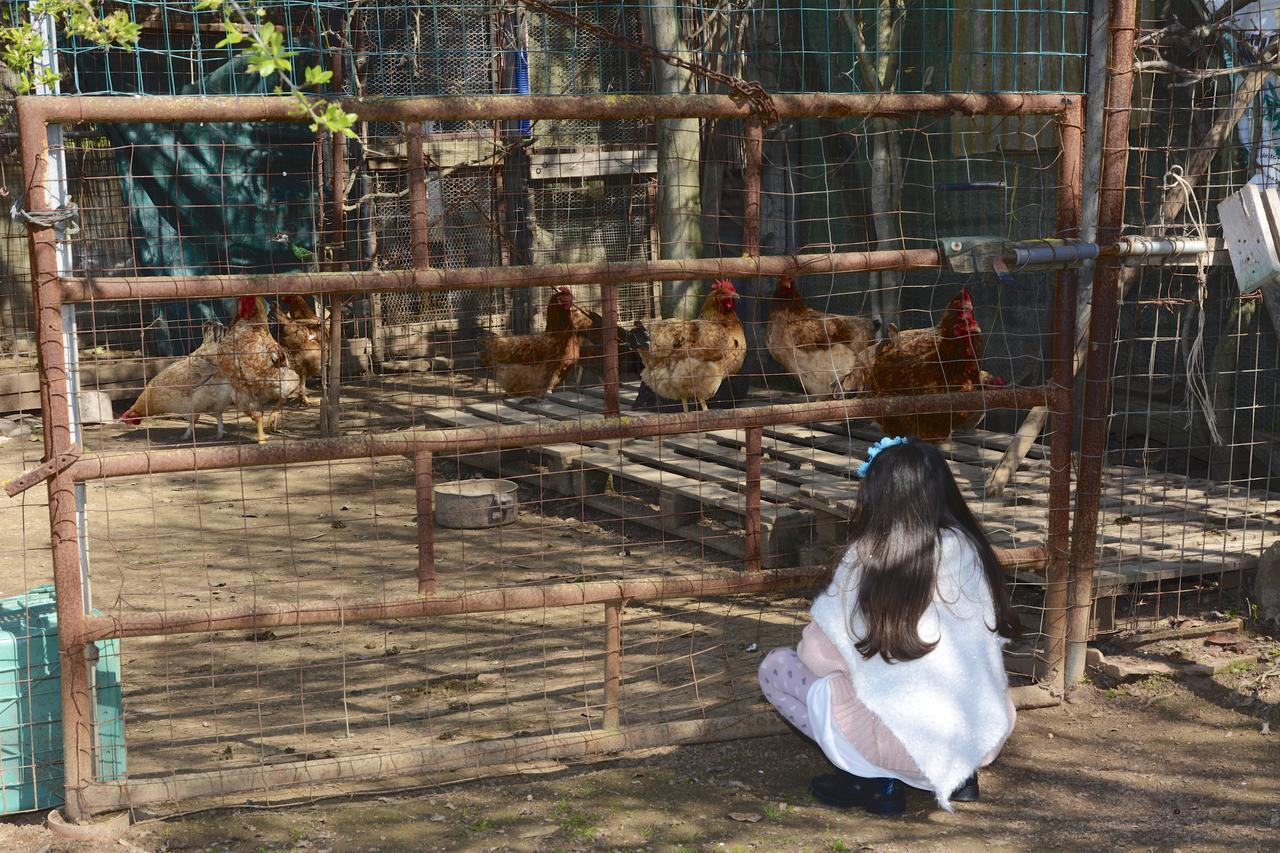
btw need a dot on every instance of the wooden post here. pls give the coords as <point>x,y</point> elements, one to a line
<point>423,486</point>
<point>612,664</point>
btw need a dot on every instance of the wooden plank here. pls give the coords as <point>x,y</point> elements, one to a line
<point>121,379</point>
<point>592,161</point>
<point>784,527</point>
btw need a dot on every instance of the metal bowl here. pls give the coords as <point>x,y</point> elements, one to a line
<point>475,504</point>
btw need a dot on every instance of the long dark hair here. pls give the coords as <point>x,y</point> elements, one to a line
<point>908,498</point>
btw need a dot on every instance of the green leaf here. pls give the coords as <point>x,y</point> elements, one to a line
<point>317,76</point>
<point>233,37</point>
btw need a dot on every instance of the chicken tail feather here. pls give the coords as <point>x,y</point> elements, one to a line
<point>638,338</point>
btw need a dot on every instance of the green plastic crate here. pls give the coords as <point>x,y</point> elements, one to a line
<point>31,705</point>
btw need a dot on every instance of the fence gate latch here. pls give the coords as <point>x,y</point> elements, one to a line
<point>43,471</point>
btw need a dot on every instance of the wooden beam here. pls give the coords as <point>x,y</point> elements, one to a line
<point>593,162</point>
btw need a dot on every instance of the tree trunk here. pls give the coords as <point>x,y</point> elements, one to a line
<point>886,207</point>
<point>679,144</point>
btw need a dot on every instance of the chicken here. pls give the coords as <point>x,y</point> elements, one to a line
<point>531,365</point>
<point>590,327</point>
<point>193,387</point>
<point>688,359</point>
<point>924,361</point>
<point>255,365</point>
<point>302,336</point>
<point>817,348</point>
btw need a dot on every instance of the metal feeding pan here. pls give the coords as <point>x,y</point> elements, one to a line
<point>476,504</point>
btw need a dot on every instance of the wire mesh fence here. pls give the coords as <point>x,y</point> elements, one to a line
<point>273,613</point>
<point>329,538</point>
<point>1192,421</point>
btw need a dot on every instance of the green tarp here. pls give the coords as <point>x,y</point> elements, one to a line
<point>215,198</point>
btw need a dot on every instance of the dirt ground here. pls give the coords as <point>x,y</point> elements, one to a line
<point>1155,765</point>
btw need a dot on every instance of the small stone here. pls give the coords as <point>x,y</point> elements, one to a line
<point>745,817</point>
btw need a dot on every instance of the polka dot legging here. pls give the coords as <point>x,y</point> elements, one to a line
<point>785,682</point>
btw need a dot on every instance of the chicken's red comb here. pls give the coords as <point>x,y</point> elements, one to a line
<point>724,284</point>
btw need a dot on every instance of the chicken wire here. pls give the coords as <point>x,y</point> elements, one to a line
<point>1192,424</point>
<point>347,530</point>
<point>271,696</point>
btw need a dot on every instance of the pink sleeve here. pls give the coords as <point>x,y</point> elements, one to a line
<point>818,653</point>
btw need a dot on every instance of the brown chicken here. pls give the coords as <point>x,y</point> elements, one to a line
<point>531,365</point>
<point>590,327</point>
<point>193,387</point>
<point>924,361</point>
<point>817,348</point>
<point>256,367</point>
<point>688,359</point>
<point>302,336</point>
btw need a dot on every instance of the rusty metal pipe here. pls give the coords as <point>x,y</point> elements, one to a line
<point>609,343</point>
<point>612,664</point>
<point>1070,176</point>
<point>55,413</point>
<point>1102,331</point>
<point>500,600</point>
<point>752,496</point>
<point>419,208</point>
<point>753,161</point>
<point>486,278</point>
<point>504,437</point>
<point>505,599</point>
<point>78,109</point>
<point>424,495</point>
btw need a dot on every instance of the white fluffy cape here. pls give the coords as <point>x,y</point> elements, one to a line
<point>949,707</point>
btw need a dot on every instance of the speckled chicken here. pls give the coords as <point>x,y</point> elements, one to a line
<point>256,367</point>
<point>942,359</point>
<point>193,387</point>
<point>816,348</point>
<point>688,359</point>
<point>302,336</point>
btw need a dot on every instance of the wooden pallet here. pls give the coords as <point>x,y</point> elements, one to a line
<point>1154,527</point>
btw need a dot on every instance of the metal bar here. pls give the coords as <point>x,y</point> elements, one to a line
<point>434,758</point>
<point>752,529</point>
<point>78,109</point>
<point>1069,179</point>
<point>753,156</point>
<point>1102,331</point>
<point>423,485</point>
<point>478,601</point>
<point>332,402</point>
<point>503,437</point>
<point>612,664</point>
<point>486,278</point>
<point>1061,443</point>
<point>55,412</point>
<point>419,213</point>
<point>609,342</point>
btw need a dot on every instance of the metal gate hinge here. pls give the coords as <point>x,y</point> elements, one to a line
<point>43,471</point>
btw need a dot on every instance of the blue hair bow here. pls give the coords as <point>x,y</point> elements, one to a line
<point>874,450</point>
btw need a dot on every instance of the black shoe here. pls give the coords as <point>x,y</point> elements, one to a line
<point>967,792</point>
<point>845,791</point>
